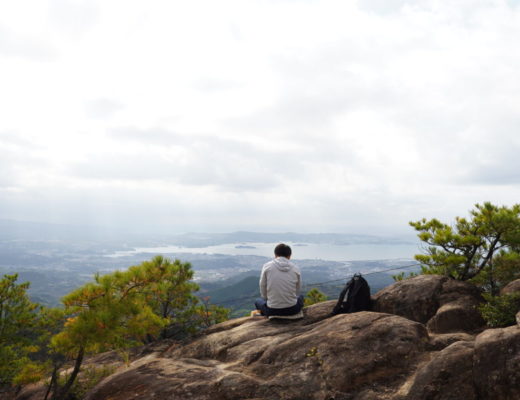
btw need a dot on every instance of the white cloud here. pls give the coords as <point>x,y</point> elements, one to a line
<point>327,114</point>
<point>102,108</point>
<point>72,17</point>
<point>17,45</point>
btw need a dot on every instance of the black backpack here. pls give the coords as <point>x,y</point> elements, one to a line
<point>354,297</point>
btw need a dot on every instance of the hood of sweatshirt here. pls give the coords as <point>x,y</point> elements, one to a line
<point>282,264</point>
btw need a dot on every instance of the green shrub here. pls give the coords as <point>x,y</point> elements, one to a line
<point>314,296</point>
<point>500,311</point>
<point>402,276</point>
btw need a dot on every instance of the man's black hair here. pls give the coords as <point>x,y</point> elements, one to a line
<point>282,250</point>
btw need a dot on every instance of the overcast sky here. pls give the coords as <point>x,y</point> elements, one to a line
<point>312,116</point>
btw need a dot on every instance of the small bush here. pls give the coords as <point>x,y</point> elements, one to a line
<point>500,311</point>
<point>402,276</point>
<point>314,296</point>
<point>31,372</point>
<point>90,376</point>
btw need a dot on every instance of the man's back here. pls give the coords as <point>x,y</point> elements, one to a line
<point>280,283</point>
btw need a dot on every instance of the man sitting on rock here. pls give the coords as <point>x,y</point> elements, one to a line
<point>280,284</point>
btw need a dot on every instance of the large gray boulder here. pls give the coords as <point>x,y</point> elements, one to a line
<point>264,360</point>
<point>444,304</point>
<point>416,298</point>
<point>361,356</point>
<point>487,368</point>
<point>496,369</point>
<point>448,376</point>
<point>455,316</point>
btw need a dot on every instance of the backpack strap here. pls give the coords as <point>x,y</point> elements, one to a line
<point>342,297</point>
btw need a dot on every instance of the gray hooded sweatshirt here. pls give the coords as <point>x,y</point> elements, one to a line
<point>280,283</point>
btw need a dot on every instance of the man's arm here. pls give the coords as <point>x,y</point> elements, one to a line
<point>298,284</point>
<point>263,284</point>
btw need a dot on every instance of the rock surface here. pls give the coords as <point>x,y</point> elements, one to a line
<point>443,340</point>
<point>361,356</point>
<point>487,368</point>
<point>496,363</point>
<point>455,316</point>
<point>511,287</point>
<point>443,304</point>
<point>265,360</point>
<point>447,376</point>
<point>416,298</point>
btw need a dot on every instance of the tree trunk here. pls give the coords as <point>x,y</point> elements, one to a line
<point>52,383</point>
<point>469,261</point>
<point>77,365</point>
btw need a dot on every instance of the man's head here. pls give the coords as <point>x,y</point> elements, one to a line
<point>282,250</point>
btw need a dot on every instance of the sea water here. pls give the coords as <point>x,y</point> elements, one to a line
<point>301,251</point>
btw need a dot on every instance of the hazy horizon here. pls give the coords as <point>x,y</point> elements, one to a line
<point>39,229</point>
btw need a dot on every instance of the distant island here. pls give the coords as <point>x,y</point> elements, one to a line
<point>242,246</point>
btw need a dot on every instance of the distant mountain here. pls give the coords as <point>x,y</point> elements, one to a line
<point>27,230</point>
<point>41,231</point>
<point>239,297</point>
<point>214,239</point>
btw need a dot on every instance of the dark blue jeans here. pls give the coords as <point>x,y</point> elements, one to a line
<point>261,305</point>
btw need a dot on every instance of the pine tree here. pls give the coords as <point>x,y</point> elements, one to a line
<point>124,309</point>
<point>483,248</point>
<point>110,313</point>
<point>18,323</point>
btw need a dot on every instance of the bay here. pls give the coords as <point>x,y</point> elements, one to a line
<point>301,251</point>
